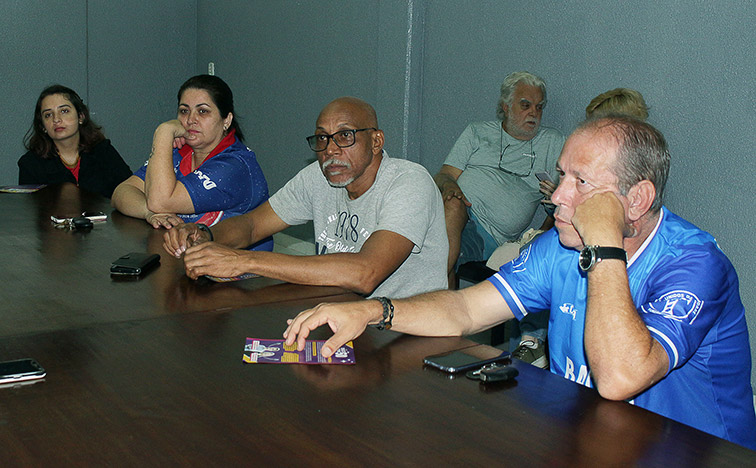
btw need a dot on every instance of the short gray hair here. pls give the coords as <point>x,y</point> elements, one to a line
<point>642,152</point>
<point>509,85</point>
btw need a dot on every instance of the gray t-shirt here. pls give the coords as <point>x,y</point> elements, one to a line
<point>403,199</point>
<point>504,202</point>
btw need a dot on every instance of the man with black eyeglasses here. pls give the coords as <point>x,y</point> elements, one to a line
<point>379,221</point>
<point>489,186</point>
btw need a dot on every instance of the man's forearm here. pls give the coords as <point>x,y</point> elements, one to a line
<point>623,356</point>
<point>452,313</point>
<point>438,313</point>
<point>442,179</point>
<point>236,232</point>
<point>345,270</point>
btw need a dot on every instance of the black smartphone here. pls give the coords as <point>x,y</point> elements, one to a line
<point>20,370</point>
<point>134,264</point>
<point>466,359</point>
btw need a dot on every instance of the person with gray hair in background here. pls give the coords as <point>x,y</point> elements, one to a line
<point>489,186</point>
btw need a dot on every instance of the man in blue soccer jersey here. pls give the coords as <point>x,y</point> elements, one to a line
<point>644,306</point>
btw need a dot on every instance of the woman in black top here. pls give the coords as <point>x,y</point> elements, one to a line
<point>65,145</point>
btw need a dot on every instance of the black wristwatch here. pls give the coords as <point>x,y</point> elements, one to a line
<point>593,254</point>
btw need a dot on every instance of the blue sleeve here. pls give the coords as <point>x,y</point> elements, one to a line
<point>229,179</point>
<point>685,298</point>
<point>525,282</point>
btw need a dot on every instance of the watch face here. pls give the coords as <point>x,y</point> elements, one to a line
<point>586,258</point>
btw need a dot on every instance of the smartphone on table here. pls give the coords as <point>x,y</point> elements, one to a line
<point>20,370</point>
<point>134,264</point>
<point>471,358</point>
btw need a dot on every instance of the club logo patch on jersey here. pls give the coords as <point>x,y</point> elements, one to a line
<point>682,306</point>
<point>518,264</point>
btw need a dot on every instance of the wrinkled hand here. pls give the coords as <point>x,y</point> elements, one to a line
<point>183,236</point>
<point>600,220</point>
<point>166,220</point>
<point>452,190</point>
<point>209,258</point>
<point>346,320</point>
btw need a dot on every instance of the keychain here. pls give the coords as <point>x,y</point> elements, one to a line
<point>493,373</point>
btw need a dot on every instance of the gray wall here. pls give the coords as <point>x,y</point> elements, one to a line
<point>40,43</point>
<point>429,67</point>
<point>126,61</point>
<point>285,60</point>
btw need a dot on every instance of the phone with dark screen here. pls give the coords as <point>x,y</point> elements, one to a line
<point>20,370</point>
<point>466,359</point>
<point>134,264</point>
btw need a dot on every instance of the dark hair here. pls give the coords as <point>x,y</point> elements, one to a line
<point>642,152</point>
<point>219,92</point>
<point>39,142</point>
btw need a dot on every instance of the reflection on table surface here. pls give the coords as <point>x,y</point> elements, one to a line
<point>150,371</point>
<point>60,278</point>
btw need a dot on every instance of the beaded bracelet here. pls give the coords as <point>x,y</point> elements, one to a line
<point>388,313</point>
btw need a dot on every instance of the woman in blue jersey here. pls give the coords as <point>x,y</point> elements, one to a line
<point>199,170</point>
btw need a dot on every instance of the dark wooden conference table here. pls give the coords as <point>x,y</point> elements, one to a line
<point>149,372</point>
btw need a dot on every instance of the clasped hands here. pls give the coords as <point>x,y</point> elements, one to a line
<point>202,257</point>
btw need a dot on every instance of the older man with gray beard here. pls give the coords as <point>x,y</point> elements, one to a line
<point>490,190</point>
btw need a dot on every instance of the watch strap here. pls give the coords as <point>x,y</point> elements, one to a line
<point>598,253</point>
<point>604,253</point>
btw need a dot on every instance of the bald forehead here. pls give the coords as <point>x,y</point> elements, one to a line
<point>349,110</point>
<point>594,148</point>
<point>599,135</point>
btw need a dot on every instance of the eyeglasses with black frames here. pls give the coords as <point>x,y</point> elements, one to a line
<point>342,139</point>
<point>530,155</point>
